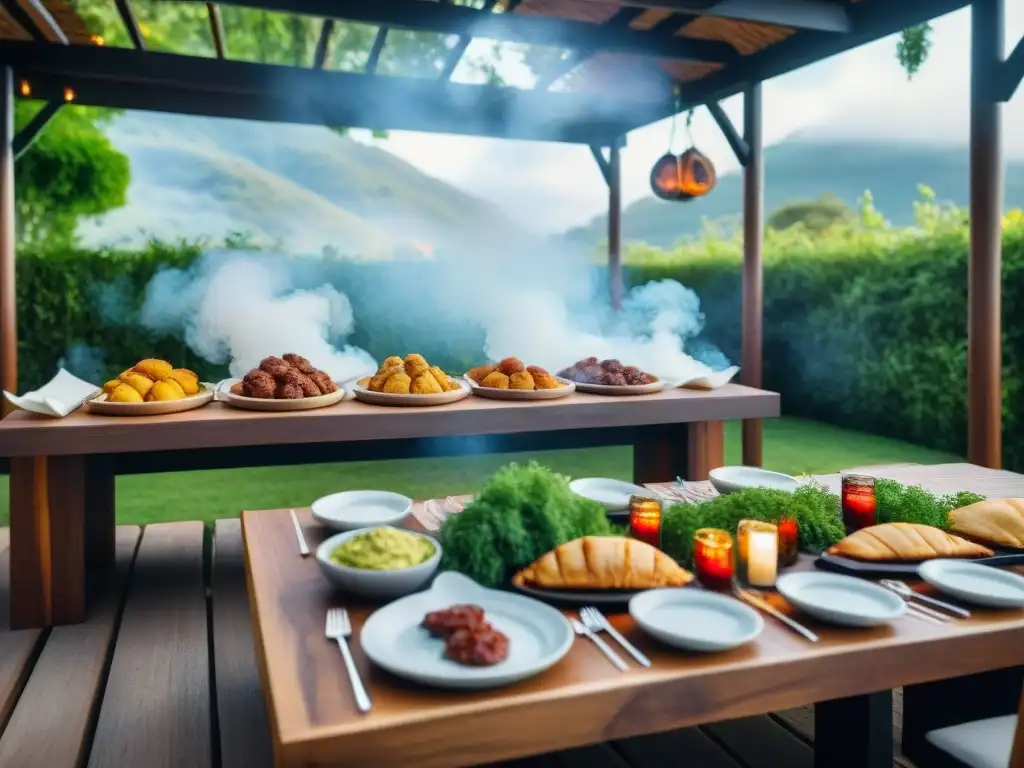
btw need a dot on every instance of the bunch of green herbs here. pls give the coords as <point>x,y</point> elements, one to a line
<point>522,512</point>
<point>898,503</point>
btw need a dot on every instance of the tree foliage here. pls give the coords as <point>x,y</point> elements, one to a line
<point>815,215</point>
<point>913,47</point>
<point>71,170</point>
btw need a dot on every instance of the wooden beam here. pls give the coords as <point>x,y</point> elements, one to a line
<point>615,224</point>
<point>984,283</point>
<point>124,8</point>
<point>459,49</point>
<point>119,77</point>
<point>738,145</point>
<point>216,29</point>
<point>621,20</point>
<point>817,15</point>
<point>323,44</point>
<point>602,164</point>
<point>32,25</point>
<point>27,135</point>
<point>1012,72</point>
<point>373,60</point>
<point>449,19</point>
<point>8,300</point>
<point>752,344</point>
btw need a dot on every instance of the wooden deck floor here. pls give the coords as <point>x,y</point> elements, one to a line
<point>164,675</point>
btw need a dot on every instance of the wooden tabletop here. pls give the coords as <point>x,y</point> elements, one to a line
<point>583,699</point>
<point>218,426</point>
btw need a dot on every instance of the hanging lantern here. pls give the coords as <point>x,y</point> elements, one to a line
<point>697,174</point>
<point>678,178</point>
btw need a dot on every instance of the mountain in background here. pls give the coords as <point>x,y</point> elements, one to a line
<point>304,187</point>
<point>804,168</point>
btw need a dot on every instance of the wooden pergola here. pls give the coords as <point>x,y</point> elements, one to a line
<point>628,63</point>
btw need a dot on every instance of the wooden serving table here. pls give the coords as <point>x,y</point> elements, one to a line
<point>62,470</point>
<point>583,699</point>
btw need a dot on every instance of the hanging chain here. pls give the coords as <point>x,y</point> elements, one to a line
<point>675,114</point>
<point>689,124</point>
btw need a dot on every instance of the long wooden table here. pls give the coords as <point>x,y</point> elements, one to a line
<point>62,470</point>
<point>583,699</point>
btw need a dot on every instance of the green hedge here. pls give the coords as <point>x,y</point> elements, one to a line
<point>864,327</point>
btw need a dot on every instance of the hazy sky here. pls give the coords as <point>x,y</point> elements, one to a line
<point>862,93</point>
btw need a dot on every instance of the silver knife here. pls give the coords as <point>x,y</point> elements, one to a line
<point>763,605</point>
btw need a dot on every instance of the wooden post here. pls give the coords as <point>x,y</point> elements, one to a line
<point>753,280</point>
<point>8,309</point>
<point>615,224</point>
<point>984,285</point>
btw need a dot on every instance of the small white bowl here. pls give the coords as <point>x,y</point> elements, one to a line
<point>377,585</point>
<point>350,510</point>
<point>732,479</point>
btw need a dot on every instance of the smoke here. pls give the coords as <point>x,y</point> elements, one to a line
<point>238,308</point>
<point>83,361</point>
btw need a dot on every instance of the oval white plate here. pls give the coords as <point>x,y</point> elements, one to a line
<point>392,638</point>
<point>973,583</point>
<point>494,393</point>
<point>611,494</point>
<point>732,479</point>
<point>349,510</point>
<point>226,396</point>
<point>694,620</point>
<point>840,599</point>
<point>99,404</point>
<point>629,389</point>
<point>388,398</point>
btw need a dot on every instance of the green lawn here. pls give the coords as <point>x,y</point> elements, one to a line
<point>790,445</point>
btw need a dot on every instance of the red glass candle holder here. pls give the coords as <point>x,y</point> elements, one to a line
<point>645,520</point>
<point>713,558</point>
<point>858,501</point>
<point>789,541</point>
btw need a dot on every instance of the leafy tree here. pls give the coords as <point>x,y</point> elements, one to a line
<point>913,48</point>
<point>816,215</point>
<point>71,170</point>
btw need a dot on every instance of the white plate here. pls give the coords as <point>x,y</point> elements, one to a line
<point>840,599</point>
<point>99,404</point>
<point>387,398</point>
<point>973,583</point>
<point>349,510</point>
<point>611,494</point>
<point>226,396</point>
<point>628,389</point>
<point>732,479</point>
<point>494,393</point>
<point>695,620</point>
<point>392,638</point>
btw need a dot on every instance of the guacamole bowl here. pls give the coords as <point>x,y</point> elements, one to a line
<point>381,579</point>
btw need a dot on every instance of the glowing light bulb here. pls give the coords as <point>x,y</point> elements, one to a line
<point>25,88</point>
<point>98,40</point>
<point>69,95</point>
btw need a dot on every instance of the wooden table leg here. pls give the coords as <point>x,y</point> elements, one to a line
<point>854,732</point>
<point>47,549</point>
<point>100,524</point>
<point>691,451</point>
<point>1017,750</point>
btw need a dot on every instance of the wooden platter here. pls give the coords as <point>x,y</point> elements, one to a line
<point>883,570</point>
<point>410,401</point>
<point>514,395</point>
<point>226,396</point>
<point>99,404</point>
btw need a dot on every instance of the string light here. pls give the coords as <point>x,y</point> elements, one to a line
<point>98,40</point>
<point>69,95</point>
<point>24,88</point>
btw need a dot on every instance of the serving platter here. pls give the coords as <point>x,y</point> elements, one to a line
<point>100,404</point>
<point>493,393</point>
<point>393,638</point>
<point>884,570</point>
<point>628,389</point>
<point>409,401</point>
<point>569,598</point>
<point>226,396</point>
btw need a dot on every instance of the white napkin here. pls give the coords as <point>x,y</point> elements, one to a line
<point>58,397</point>
<point>712,380</point>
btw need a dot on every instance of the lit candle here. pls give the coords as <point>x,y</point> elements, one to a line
<point>789,541</point>
<point>758,552</point>
<point>645,520</point>
<point>712,558</point>
<point>858,502</point>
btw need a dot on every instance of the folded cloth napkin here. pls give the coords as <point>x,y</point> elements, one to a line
<point>711,380</point>
<point>58,397</point>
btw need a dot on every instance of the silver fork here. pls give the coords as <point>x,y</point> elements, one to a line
<point>339,628</point>
<point>596,621</point>
<point>582,629</point>
<point>902,588</point>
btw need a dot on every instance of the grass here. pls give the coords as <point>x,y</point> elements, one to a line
<point>790,445</point>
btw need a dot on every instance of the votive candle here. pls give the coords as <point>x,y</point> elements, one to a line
<point>758,545</point>
<point>713,558</point>
<point>789,541</point>
<point>858,502</point>
<point>645,520</point>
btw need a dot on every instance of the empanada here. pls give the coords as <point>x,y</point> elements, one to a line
<point>905,541</point>
<point>999,522</point>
